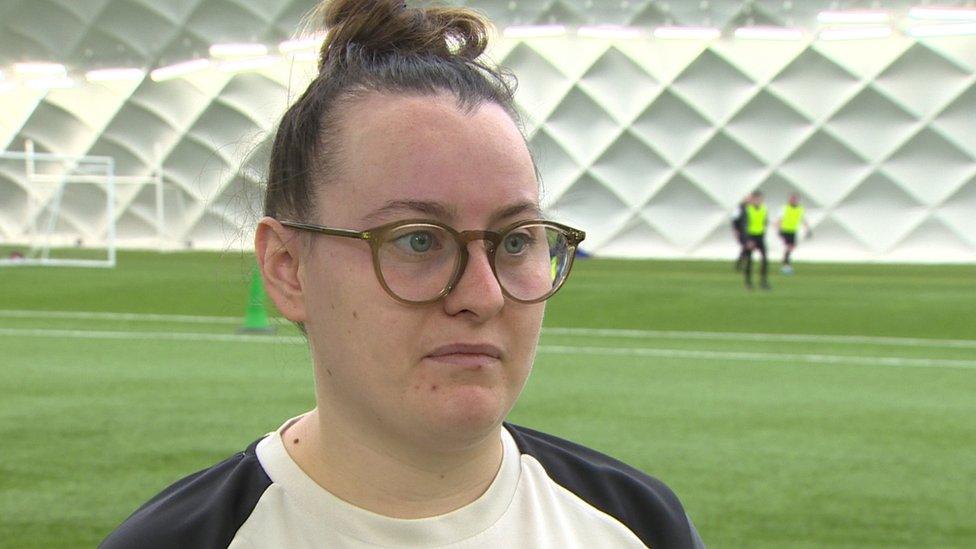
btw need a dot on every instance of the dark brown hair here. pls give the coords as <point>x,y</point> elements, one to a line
<point>375,46</point>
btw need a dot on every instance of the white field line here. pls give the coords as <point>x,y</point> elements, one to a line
<point>596,332</point>
<point>762,357</point>
<point>554,349</point>
<point>153,336</point>
<point>128,317</point>
<point>736,336</point>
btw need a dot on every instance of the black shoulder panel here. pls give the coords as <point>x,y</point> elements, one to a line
<point>641,503</point>
<point>203,510</point>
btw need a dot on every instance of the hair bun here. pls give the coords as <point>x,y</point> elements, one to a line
<point>385,27</point>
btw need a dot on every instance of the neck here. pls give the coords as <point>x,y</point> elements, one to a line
<point>391,478</point>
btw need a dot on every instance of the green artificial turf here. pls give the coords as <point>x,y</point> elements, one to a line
<point>843,443</point>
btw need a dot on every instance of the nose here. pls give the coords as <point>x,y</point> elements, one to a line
<point>477,291</point>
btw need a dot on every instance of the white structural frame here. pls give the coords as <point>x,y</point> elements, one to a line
<point>108,180</point>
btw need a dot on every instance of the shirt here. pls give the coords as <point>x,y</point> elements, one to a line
<point>547,493</point>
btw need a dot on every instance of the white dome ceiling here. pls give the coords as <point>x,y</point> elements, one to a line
<point>199,130</point>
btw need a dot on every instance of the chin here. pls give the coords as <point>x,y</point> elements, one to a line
<point>466,412</point>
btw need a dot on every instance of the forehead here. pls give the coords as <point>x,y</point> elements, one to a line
<point>426,149</point>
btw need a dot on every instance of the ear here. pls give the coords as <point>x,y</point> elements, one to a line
<point>278,252</point>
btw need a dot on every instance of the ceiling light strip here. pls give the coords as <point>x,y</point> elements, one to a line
<point>534,31</point>
<point>115,75</point>
<point>253,64</point>
<point>768,33</point>
<point>238,50</point>
<point>687,33</point>
<point>610,32</point>
<point>59,83</point>
<point>855,33</point>
<point>948,29</point>
<point>40,69</point>
<point>179,69</point>
<point>943,14</point>
<point>301,44</point>
<point>853,16</point>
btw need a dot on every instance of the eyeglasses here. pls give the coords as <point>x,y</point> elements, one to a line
<point>420,261</point>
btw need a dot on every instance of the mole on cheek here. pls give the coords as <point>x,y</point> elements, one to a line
<point>433,388</point>
<point>355,315</point>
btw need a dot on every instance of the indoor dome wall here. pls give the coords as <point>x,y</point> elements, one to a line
<point>646,144</point>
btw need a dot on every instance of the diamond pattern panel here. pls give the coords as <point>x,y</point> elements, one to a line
<point>906,79</point>
<point>767,119</point>
<point>930,167</point>
<point>724,169</point>
<point>602,82</point>
<point>824,168</point>
<point>685,218</point>
<point>714,87</point>
<point>672,128</point>
<point>872,125</point>
<point>632,169</point>
<point>646,144</point>
<point>861,213</point>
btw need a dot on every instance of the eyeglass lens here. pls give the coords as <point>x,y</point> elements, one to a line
<point>419,261</point>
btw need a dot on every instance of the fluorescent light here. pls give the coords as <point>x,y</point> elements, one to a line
<point>609,32</point>
<point>854,16</point>
<point>40,69</point>
<point>50,83</point>
<point>768,33</point>
<point>238,50</point>
<point>252,64</point>
<point>943,14</point>
<point>534,31</point>
<point>687,33</point>
<point>854,33</point>
<point>179,69</point>
<point>111,75</point>
<point>305,56</point>
<point>951,29</point>
<point>302,44</point>
<point>6,87</point>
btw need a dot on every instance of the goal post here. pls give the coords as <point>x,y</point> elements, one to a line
<point>67,217</point>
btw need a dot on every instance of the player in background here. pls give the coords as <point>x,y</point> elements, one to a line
<point>757,218</point>
<point>739,229</point>
<point>788,223</point>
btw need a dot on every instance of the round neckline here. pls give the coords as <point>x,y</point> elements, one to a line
<point>331,512</point>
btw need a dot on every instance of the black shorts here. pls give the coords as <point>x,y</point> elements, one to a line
<point>758,242</point>
<point>789,238</point>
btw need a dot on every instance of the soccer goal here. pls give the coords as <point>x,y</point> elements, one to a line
<point>62,212</point>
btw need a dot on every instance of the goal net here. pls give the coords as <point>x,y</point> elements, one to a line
<point>59,210</point>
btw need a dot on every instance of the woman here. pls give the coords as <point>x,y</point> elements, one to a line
<point>403,234</point>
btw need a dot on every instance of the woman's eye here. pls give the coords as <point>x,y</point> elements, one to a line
<point>516,243</point>
<point>417,241</point>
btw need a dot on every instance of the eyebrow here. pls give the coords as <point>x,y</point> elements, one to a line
<point>444,213</point>
<point>432,209</point>
<point>516,209</point>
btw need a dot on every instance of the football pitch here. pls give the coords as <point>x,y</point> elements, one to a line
<point>838,410</point>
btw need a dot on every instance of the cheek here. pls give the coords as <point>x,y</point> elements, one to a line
<point>525,325</point>
<point>340,292</point>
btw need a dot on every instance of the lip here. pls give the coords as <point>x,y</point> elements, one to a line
<point>468,354</point>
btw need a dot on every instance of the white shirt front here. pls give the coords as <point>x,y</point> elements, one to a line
<point>523,507</point>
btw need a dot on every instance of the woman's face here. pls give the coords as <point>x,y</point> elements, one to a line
<point>445,373</point>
